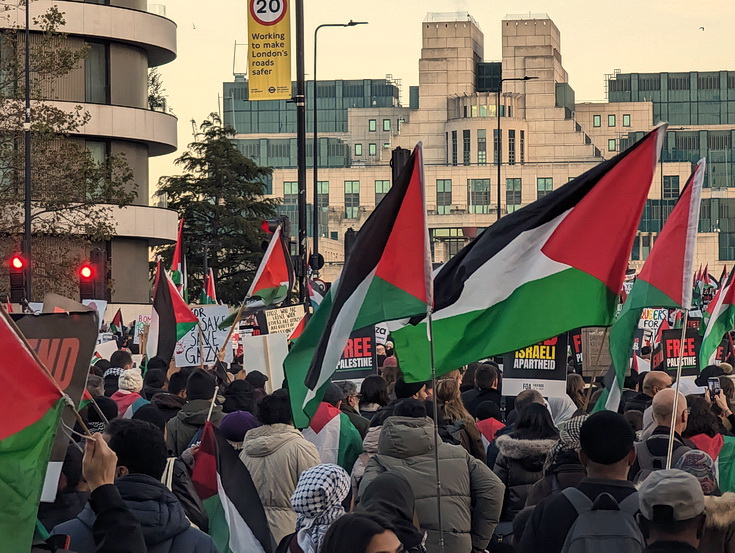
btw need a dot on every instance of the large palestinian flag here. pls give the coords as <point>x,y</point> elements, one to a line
<point>721,318</point>
<point>171,318</point>
<point>552,266</point>
<point>237,522</point>
<point>386,277</point>
<point>178,264</point>
<point>29,416</point>
<point>662,282</point>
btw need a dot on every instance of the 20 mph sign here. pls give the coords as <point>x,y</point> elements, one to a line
<point>268,12</point>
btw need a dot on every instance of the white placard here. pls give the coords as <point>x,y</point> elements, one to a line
<point>140,323</point>
<point>265,353</point>
<point>188,348</point>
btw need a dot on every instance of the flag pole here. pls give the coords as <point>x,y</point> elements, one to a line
<point>676,395</point>
<point>229,334</point>
<point>594,369</point>
<point>211,405</point>
<point>430,336</point>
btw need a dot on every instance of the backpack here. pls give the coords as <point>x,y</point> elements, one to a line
<point>649,462</point>
<point>603,526</point>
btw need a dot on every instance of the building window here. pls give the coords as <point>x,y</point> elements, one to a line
<point>671,187</point>
<point>372,149</point>
<point>454,147</point>
<point>386,145</point>
<point>481,147</point>
<point>544,185</point>
<point>496,146</point>
<point>373,125</point>
<point>479,195</point>
<point>381,189</point>
<point>512,194</point>
<point>597,121</point>
<point>333,235</point>
<point>611,120</point>
<point>466,145</point>
<point>322,188</point>
<point>443,196</point>
<point>611,145</point>
<point>358,150</point>
<point>626,120</point>
<point>290,193</point>
<point>352,199</point>
<point>511,147</point>
<point>386,125</point>
<point>96,73</point>
<point>522,146</point>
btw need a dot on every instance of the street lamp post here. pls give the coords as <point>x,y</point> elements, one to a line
<point>499,136</point>
<point>314,262</point>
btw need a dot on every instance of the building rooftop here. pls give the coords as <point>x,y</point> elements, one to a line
<point>529,15</point>
<point>434,17</point>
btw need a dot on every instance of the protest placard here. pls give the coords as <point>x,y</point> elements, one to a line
<point>672,346</point>
<point>541,367</point>
<point>281,320</point>
<point>596,359</point>
<point>205,339</point>
<point>141,321</point>
<point>359,357</point>
<point>265,353</point>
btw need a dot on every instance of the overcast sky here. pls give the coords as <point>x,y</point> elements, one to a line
<point>597,38</point>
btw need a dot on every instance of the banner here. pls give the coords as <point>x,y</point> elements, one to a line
<point>541,367</point>
<point>595,351</point>
<point>574,342</point>
<point>281,320</point>
<point>141,321</point>
<point>187,352</point>
<point>670,342</point>
<point>359,357</point>
<point>381,333</point>
<point>269,50</point>
<point>652,318</point>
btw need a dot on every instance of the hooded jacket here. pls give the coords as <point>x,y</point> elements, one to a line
<point>471,494</point>
<point>169,404</point>
<point>183,427</point>
<point>519,466</point>
<point>719,531</point>
<point>276,455</point>
<point>162,519</point>
<point>369,449</point>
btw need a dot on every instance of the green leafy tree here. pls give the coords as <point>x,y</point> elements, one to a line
<point>220,195</point>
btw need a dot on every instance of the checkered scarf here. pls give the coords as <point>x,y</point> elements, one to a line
<point>113,371</point>
<point>568,439</point>
<point>318,500</point>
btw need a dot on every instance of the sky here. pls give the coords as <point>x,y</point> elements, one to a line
<point>596,38</point>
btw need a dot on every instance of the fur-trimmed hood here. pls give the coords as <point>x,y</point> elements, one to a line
<point>720,510</point>
<point>514,448</point>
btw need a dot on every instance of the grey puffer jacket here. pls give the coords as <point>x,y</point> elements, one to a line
<point>471,494</point>
<point>161,516</point>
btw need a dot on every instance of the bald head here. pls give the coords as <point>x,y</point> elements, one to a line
<point>655,381</point>
<point>663,406</point>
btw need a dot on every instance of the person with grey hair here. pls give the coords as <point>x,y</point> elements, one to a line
<point>350,406</point>
<point>95,385</point>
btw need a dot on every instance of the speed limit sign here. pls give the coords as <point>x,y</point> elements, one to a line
<point>268,12</point>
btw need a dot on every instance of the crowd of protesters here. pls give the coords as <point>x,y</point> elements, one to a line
<point>526,473</point>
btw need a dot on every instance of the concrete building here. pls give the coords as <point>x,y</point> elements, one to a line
<point>124,40</point>
<point>546,138</point>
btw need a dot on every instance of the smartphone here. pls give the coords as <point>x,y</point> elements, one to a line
<point>713,383</point>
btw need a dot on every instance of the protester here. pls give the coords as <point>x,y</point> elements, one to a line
<point>606,451</point>
<point>706,373</point>
<point>653,383</point>
<point>257,380</point>
<point>373,395</point>
<point>489,422</point>
<point>456,425</point>
<point>403,390</point>
<point>95,385</point>
<point>331,431</point>
<point>154,382</point>
<point>235,425</point>
<point>652,452</point>
<point>120,361</point>
<point>380,354</point>
<point>389,371</point>
<point>189,421</point>
<point>276,454</point>
<point>390,495</point>
<point>363,533</point>
<point>171,402</point>
<point>561,408</point>
<point>635,419</point>
<point>72,492</point>
<point>468,377</point>
<point>526,397</point>
<point>369,449</point>
<point>703,427</point>
<point>128,397</point>
<point>672,514</point>
<point>575,389</point>
<point>239,396</point>
<point>485,388</point>
<point>350,407</point>
<point>95,421</point>
<point>141,458</point>
<point>317,501</point>
<point>471,494</point>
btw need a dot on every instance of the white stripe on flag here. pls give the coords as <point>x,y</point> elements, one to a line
<point>242,539</point>
<point>613,398</point>
<point>151,345</point>
<point>327,440</point>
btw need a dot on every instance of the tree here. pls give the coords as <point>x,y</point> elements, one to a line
<point>220,195</point>
<point>73,195</point>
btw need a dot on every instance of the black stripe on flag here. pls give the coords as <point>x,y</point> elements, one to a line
<point>164,308</point>
<point>367,250</point>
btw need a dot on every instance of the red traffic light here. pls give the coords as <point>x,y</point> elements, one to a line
<point>86,271</point>
<point>17,262</point>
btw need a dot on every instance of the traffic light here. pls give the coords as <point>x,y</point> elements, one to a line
<point>86,281</point>
<point>93,276</point>
<point>17,278</point>
<point>270,225</point>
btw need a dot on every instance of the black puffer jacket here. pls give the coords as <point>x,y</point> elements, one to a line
<point>519,465</point>
<point>565,472</point>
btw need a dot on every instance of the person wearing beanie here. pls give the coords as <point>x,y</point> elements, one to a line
<point>257,380</point>
<point>239,396</point>
<point>189,421</point>
<point>128,397</point>
<point>235,425</point>
<point>403,390</point>
<point>607,452</point>
<point>154,382</point>
<point>95,421</point>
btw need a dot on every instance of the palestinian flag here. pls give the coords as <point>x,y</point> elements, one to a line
<point>209,294</point>
<point>336,438</point>
<point>720,321</point>
<point>723,277</point>
<point>387,276</point>
<point>275,276</point>
<point>116,325</point>
<point>237,522</point>
<point>171,318</point>
<point>663,282</point>
<point>299,330</point>
<point>178,264</point>
<point>725,460</point>
<point>29,417</point>
<point>552,266</point>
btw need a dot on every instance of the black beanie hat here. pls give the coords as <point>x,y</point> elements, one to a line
<point>200,385</point>
<point>606,437</point>
<point>488,410</point>
<point>106,405</point>
<point>405,389</point>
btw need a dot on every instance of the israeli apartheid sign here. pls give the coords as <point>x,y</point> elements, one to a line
<point>672,347</point>
<point>541,367</point>
<point>359,357</point>
<point>269,50</point>
<point>200,345</point>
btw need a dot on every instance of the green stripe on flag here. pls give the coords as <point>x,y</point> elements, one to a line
<point>219,530</point>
